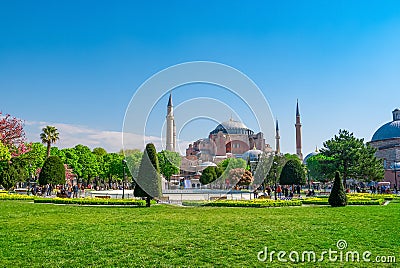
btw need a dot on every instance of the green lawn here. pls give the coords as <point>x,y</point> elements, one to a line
<point>37,235</point>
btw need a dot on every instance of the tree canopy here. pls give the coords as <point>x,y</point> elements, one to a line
<point>53,171</point>
<point>352,157</point>
<point>320,167</point>
<point>4,153</point>
<point>208,175</point>
<point>169,163</point>
<point>292,173</point>
<point>12,134</point>
<point>48,136</point>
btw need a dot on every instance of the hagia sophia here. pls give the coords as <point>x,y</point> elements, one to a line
<point>230,139</point>
<point>234,139</point>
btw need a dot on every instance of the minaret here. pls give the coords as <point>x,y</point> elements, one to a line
<point>298,132</point>
<point>277,139</point>
<point>171,133</point>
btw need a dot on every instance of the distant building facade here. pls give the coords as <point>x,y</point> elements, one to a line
<point>229,139</point>
<point>387,142</point>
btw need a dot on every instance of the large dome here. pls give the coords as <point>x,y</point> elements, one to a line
<point>232,127</point>
<point>389,130</point>
<point>252,155</point>
<point>310,155</point>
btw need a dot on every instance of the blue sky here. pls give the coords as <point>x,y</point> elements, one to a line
<point>76,64</point>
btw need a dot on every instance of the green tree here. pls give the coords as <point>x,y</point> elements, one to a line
<point>128,152</point>
<point>53,171</point>
<point>48,136</point>
<point>87,163</point>
<point>5,154</point>
<point>112,168</point>
<point>12,172</point>
<point>352,157</point>
<point>34,158</point>
<point>292,173</point>
<point>169,163</point>
<point>99,151</point>
<point>69,157</point>
<point>133,160</point>
<point>264,164</point>
<point>208,175</point>
<point>320,167</point>
<point>338,197</point>
<point>231,163</point>
<point>148,183</point>
<point>276,168</point>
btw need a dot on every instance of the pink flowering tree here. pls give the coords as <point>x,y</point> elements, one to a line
<point>69,175</point>
<point>12,134</point>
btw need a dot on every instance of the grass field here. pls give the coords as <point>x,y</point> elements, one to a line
<point>48,235</point>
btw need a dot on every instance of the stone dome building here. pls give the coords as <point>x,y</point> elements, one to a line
<point>387,142</point>
<point>229,139</point>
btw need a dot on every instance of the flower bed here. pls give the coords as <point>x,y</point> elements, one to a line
<point>257,203</point>
<point>15,197</point>
<point>93,201</point>
<point>373,196</point>
<point>353,199</point>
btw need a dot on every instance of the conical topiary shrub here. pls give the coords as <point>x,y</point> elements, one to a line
<point>338,197</point>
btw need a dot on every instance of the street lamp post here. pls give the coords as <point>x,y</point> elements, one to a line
<point>276,180</point>
<point>395,175</point>
<point>123,180</point>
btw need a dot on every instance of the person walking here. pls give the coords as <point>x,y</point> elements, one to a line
<point>279,191</point>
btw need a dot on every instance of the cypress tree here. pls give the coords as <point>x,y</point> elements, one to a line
<point>148,182</point>
<point>338,197</point>
<point>53,171</point>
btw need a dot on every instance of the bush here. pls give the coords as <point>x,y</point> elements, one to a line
<point>338,197</point>
<point>53,171</point>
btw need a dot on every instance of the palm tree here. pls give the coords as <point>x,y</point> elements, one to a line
<point>49,136</point>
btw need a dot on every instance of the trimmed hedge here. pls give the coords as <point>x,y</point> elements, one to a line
<point>92,201</point>
<point>258,203</point>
